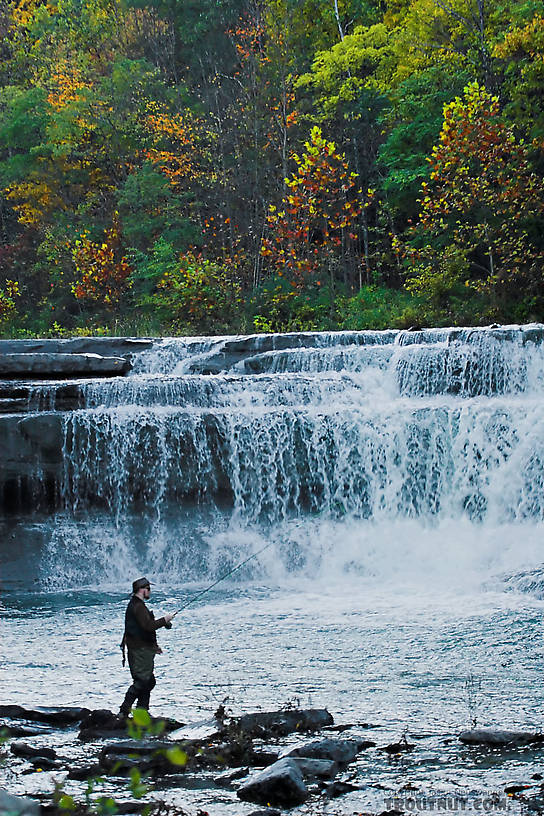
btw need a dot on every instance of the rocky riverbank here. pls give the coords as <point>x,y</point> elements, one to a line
<point>275,760</point>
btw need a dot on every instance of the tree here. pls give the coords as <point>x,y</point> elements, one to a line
<point>103,270</point>
<point>312,234</point>
<point>484,200</point>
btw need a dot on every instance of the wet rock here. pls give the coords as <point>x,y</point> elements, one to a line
<point>341,751</point>
<point>280,723</point>
<point>398,747</point>
<point>83,772</point>
<point>24,751</point>
<point>204,729</point>
<point>267,812</point>
<point>102,718</point>
<point>497,737</point>
<point>104,346</point>
<point>320,768</point>
<point>17,805</point>
<point>23,730</point>
<point>280,785</point>
<point>94,734</point>
<point>104,724</point>
<point>516,787</point>
<point>41,763</point>
<point>40,366</point>
<point>61,715</point>
<point>339,789</point>
<point>224,780</point>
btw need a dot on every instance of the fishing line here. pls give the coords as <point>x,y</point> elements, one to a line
<point>226,575</point>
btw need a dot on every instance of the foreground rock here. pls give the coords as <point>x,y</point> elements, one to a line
<point>17,805</point>
<point>104,724</point>
<point>61,366</point>
<point>279,785</point>
<point>60,715</point>
<point>497,737</point>
<point>25,751</point>
<point>280,723</point>
<point>340,751</point>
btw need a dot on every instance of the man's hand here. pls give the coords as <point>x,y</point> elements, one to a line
<point>168,618</point>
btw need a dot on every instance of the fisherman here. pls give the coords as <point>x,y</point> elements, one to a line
<point>140,639</point>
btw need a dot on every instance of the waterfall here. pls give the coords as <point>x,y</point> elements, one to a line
<point>212,445</point>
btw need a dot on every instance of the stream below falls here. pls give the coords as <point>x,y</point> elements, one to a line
<point>395,483</point>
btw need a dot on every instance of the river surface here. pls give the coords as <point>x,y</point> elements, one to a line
<point>401,586</point>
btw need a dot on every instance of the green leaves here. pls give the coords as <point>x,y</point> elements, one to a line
<point>176,756</point>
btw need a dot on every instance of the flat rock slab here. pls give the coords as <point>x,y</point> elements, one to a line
<point>25,751</point>
<point>43,365</point>
<point>496,737</point>
<point>17,805</point>
<point>280,785</point>
<point>281,723</point>
<point>204,729</point>
<point>105,346</point>
<point>24,730</point>
<point>62,715</point>
<point>341,751</point>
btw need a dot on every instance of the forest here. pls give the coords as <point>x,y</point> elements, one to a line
<point>223,166</point>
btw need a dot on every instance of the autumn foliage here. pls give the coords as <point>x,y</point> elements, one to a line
<point>103,272</point>
<point>318,214</point>
<point>483,200</point>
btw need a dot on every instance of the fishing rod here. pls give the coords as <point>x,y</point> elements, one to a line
<point>226,575</point>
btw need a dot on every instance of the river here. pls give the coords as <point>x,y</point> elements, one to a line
<point>395,485</point>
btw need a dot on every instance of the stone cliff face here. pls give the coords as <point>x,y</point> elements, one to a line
<point>39,381</point>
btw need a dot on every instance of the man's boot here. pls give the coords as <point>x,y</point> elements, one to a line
<point>128,702</point>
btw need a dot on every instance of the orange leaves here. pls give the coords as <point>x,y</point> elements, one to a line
<point>175,139</point>
<point>321,203</point>
<point>65,87</point>
<point>103,270</point>
<point>482,194</point>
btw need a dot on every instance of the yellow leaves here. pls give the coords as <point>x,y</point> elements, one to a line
<point>33,199</point>
<point>66,84</point>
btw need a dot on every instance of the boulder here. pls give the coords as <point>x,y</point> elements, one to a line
<point>25,751</point>
<point>281,723</point>
<point>320,768</point>
<point>279,785</point>
<point>40,366</point>
<point>497,737</point>
<point>61,715</point>
<point>17,805</point>
<point>341,751</point>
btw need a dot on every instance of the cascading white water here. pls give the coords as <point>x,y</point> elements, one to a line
<point>299,434</point>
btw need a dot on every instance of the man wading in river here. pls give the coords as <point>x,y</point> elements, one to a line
<point>140,639</point>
